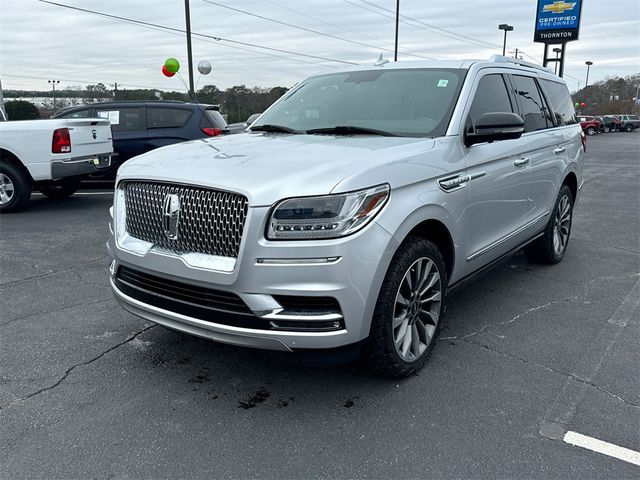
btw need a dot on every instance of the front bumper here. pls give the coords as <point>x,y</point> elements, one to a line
<point>268,270</point>
<point>80,166</point>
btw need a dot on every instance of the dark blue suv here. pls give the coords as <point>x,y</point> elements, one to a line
<point>140,126</point>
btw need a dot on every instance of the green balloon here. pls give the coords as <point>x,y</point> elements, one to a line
<point>172,65</point>
<point>577,104</point>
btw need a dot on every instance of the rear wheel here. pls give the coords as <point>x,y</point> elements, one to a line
<point>409,311</point>
<point>15,188</point>
<point>551,247</point>
<point>607,129</point>
<point>60,189</point>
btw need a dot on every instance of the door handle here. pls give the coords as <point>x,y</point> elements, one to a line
<point>521,161</point>
<point>559,150</point>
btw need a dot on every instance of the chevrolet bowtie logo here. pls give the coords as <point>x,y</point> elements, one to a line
<point>559,7</point>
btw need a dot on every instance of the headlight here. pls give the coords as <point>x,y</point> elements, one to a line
<point>330,216</point>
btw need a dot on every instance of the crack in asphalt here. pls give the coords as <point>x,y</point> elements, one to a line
<point>55,310</point>
<point>571,376</point>
<point>587,291</point>
<point>53,272</point>
<point>77,365</point>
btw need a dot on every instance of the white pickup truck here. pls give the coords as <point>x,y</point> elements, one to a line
<point>51,156</point>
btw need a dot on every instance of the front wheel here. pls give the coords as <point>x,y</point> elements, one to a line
<point>551,247</point>
<point>409,311</point>
<point>61,188</point>
<point>628,128</point>
<point>591,131</point>
<point>607,129</point>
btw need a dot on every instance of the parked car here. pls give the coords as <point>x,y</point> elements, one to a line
<point>51,156</point>
<point>345,214</point>
<point>590,125</point>
<point>139,127</point>
<point>611,123</point>
<point>629,123</point>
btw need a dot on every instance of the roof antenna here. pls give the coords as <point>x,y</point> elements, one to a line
<point>380,62</point>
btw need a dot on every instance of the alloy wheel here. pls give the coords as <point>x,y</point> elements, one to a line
<point>561,225</point>
<point>417,309</point>
<point>6,189</point>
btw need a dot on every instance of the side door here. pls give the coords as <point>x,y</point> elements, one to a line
<point>128,126</point>
<point>499,179</point>
<point>545,149</point>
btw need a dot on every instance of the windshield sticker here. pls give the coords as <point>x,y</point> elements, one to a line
<point>443,83</point>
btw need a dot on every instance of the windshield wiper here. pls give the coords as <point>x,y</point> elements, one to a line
<point>273,129</point>
<point>350,129</point>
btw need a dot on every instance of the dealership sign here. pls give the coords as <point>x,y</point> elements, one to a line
<point>557,21</point>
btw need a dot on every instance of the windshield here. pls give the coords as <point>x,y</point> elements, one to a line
<point>406,102</point>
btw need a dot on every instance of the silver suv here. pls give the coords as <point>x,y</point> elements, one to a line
<point>350,208</point>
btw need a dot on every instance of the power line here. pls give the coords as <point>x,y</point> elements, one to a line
<point>422,25</point>
<point>219,39</point>
<point>334,25</point>
<point>310,30</point>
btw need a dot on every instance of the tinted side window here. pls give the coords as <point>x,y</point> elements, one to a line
<point>532,107</point>
<point>77,114</point>
<point>491,96</point>
<point>560,100</point>
<point>214,118</point>
<point>167,117</point>
<point>123,119</point>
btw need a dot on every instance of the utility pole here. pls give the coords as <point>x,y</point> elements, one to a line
<point>115,90</point>
<point>53,84</point>
<point>187,16</point>
<point>395,55</point>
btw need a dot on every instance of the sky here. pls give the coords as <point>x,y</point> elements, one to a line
<point>40,41</point>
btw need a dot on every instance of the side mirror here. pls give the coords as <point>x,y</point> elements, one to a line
<point>252,119</point>
<point>495,126</point>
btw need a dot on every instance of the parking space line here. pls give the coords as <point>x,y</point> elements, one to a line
<point>605,448</point>
<point>628,307</point>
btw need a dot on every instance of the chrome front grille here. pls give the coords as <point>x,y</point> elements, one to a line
<point>210,221</point>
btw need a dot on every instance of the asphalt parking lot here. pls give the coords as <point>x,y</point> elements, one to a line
<point>529,353</point>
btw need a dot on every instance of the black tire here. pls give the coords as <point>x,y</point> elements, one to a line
<point>379,353</point>
<point>544,249</point>
<point>607,129</point>
<point>60,189</point>
<point>16,188</point>
<point>591,131</point>
<point>628,128</point>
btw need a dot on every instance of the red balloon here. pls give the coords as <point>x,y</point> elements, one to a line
<point>583,104</point>
<point>166,72</point>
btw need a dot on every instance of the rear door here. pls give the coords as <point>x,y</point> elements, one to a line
<point>128,125</point>
<point>499,185</point>
<point>545,148</point>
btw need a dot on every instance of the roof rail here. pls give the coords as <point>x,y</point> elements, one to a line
<point>502,59</point>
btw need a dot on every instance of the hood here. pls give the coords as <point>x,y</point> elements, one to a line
<point>269,167</point>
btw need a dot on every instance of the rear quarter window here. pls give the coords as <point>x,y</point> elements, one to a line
<point>558,96</point>
<point>167,117</point>
<point>214,119</point>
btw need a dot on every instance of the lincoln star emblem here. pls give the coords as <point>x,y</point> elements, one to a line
<point>558,7</point>
<point>94,133</point>
<point>171,215</point>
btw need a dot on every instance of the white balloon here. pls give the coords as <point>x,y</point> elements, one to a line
<point>204,67</point>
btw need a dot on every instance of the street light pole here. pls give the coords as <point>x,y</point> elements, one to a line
<point>53,84</point>
<point>586,82</point>
<point>506,28</point>
<point>557,51</point>
<point>395,55</point>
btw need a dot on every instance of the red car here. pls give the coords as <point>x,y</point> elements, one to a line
<point>590,125</point>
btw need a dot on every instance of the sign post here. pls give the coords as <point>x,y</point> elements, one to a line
<point>557,22</point>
